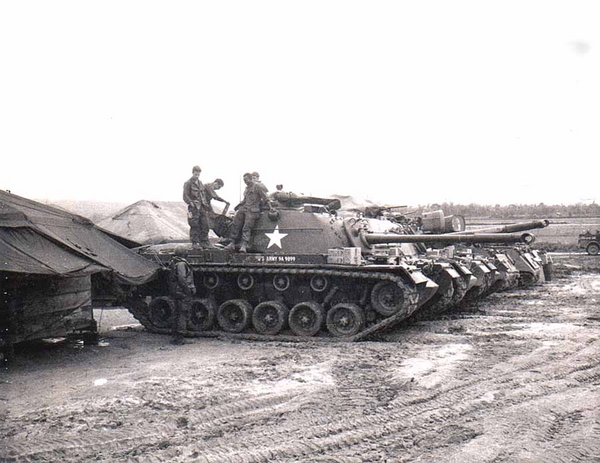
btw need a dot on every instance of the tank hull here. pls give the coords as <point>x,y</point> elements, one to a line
<point>348,303</point>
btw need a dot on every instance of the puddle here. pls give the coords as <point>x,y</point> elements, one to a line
<point>317,376</point>
<point>551,330</point>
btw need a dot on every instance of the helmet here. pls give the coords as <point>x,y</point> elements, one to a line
<point>273,215</point>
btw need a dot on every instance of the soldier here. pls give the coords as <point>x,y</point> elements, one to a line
<point>198,209</point>
<point>181,288</point>
<point>256,178</point>
<point>247,213</point>
<point>210,191</point>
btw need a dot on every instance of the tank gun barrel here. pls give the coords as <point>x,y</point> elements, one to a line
<point>510,228</point>
<point>448,238</point>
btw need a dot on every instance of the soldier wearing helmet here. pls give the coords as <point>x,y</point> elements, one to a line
<point>182,288</point>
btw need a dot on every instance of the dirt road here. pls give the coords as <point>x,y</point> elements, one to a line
<point>515,378</point>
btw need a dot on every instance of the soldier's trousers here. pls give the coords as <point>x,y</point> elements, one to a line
<point>181,315</point>
<point>198,222</point>
<point>243,222</point>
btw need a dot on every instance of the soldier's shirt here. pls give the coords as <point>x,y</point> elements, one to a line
<point>193,190</point>
<point>253,196</point>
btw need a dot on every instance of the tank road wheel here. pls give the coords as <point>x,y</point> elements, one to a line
<point>345,319</point>
<point>388,298</point>
<point>234,315</point>
<point>270,317</point>
<point>161,311</point>
<point>211,280</point>
<point>245,281</point>
<point>319,283</point>
<point>306,318</point>
<point>593,249</point>
<point>202,314</point>
<point>281,282</point>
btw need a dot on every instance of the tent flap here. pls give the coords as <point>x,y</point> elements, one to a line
<point>39,239</point>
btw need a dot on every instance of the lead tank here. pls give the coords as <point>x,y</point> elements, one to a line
<point>309,274</point>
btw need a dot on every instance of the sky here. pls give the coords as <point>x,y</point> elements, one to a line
<point>399,102</point>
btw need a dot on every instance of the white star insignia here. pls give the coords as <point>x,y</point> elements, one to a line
<point>275,237</point>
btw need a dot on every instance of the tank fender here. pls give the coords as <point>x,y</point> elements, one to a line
<point>414,274</point>
<point>452,273</point>
<point>466,274</point>
<point>480,271</point>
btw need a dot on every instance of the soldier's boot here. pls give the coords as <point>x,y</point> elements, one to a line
<point>230,246</point>
<point>243,248</point>
<point>207,245</point>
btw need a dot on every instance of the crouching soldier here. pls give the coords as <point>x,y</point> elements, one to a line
<point>181,289</point>
<point>247,213</point>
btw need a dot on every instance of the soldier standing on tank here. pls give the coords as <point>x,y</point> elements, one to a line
<point>198,209</point>
<point>181,288</point>
<point>210,191</point>
<point>247,213</point>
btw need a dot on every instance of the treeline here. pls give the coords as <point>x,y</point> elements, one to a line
<point>522,210</point>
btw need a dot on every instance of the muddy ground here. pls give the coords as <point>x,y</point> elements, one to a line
<point>514,378</point>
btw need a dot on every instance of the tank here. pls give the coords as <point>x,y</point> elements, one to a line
<point>310,274</point>
<point>495,264</point>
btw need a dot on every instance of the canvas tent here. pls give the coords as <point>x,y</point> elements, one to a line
<point>40,239</point>
<point>148,222</point>
<point>47,257</point>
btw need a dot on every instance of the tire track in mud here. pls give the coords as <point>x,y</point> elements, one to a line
<point>215,416</point>
<point>540,391</point>
<point>423,415</point>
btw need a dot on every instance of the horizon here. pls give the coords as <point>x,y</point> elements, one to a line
<point>589,203</point>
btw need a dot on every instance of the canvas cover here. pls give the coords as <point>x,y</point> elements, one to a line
<point>39,239</point>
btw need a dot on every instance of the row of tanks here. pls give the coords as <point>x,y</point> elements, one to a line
<point>316,272</point>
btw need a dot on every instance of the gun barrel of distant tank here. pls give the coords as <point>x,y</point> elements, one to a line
<point>510,228</point>
<point>447,238</point>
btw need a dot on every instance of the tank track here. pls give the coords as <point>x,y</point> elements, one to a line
<point>141,309</point>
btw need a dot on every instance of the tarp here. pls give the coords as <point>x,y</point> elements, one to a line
<point>148,222</point>
<point>39,239</point>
